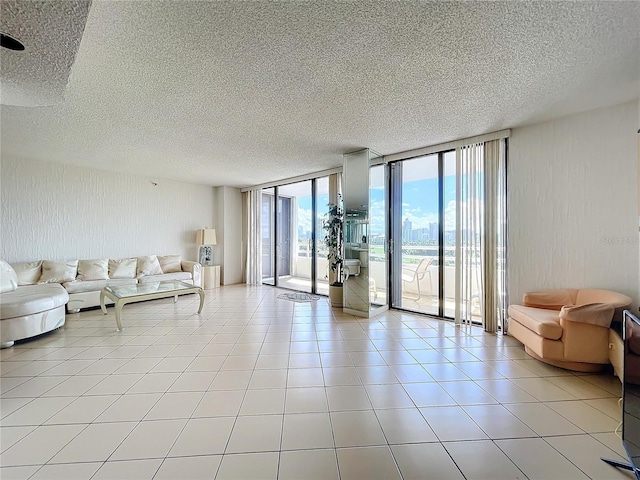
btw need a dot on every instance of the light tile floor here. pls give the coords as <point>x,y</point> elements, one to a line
<point>258,387</point>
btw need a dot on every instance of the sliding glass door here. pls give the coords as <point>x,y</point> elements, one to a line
<point>295,243</point>
<point>417,233</point>
<point>424,192</point>
<point>268,236</point>
<point>292,239</point>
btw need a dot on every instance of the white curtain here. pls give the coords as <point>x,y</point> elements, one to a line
<point>469,231</point>
<point>253,214</point>
<point>494,271</point>
<point>480,234</point>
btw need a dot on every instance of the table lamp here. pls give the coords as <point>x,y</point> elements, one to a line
<point>206,238</point>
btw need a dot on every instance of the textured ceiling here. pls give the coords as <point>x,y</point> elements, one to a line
<point>52,32</point>
<point>240,93</point>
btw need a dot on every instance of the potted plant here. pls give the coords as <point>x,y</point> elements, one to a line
<point>333,225</point>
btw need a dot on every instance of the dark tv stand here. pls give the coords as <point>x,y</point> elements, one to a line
<point>618,463</point>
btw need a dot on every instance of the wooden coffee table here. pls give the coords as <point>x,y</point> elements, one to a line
<point>123,294</point>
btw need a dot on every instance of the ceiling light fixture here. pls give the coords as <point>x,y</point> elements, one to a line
<point>7,41</point>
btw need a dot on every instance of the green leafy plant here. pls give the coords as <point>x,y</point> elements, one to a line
<point>333,225</point>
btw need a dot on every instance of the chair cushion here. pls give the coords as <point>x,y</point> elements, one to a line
<point>550,299</point>
<point>598,295</point>
<point>32,299</point>
<point>545,323</point>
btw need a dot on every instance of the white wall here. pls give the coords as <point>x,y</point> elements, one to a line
<point>573,203</point>
<point>228,223</point>
<point>54,211</point>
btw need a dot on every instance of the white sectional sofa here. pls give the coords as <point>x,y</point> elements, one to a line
<point>30,310</point>
<point>83,279</point>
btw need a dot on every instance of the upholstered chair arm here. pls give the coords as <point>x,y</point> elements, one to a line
<point>585,342</point>
<point>195,269</point>
<point>599,314</point>
<point>550,299</point>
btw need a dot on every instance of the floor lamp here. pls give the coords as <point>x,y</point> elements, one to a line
<point>206,238</point>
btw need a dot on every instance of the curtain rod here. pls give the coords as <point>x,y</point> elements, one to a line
<point>419,152</point>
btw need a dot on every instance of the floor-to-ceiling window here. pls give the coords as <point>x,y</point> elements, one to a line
<point>417,233</point>
<point>423,226</point>
<point>440,248</point>
<point>295,245</point>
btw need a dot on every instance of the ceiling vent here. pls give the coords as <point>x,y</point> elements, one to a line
<point>7,41</point>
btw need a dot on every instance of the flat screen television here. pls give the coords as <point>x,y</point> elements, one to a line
<point>630,394</point>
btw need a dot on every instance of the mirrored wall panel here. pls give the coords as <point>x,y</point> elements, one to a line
<point>364,282</point>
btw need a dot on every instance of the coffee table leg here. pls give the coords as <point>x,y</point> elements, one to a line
<point>102,306</point>
<point>175,299</point>
<point>201,293</point>
<point>119,306</point>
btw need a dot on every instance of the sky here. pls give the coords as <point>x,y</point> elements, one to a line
<point>419,196</point>
<point>419,205</point>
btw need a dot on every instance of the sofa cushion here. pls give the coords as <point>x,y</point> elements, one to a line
<point>97,269</point>
<point>545,323</point>
<point>28,272</point>
<point>58,272</point>
<point>8,278</point>
<point>32,299</point>
<point>148,266</point>
<point>599,314</point>
<point>170,263</point>
<point>123,268</point>
<point>80,286</point>
<point>184,276</point>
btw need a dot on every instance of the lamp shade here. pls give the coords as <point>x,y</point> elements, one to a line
<point>206,236</point>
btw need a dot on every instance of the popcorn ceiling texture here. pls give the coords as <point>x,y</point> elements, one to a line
<point>61,212</point>
<point>51,33</point>
<point>240,93</point>
<point>573,208</point>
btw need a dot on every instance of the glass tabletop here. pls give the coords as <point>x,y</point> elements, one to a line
<point>124,291</point>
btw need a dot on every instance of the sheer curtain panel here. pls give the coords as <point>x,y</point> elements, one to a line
<point>469,231</point>
<point>494,306</point>
<point>253,215</point>
<point>480,234</point>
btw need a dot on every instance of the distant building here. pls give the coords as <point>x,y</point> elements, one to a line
<point>433,231</point>
<point>406,231</point>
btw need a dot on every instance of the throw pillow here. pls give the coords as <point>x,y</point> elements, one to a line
<point>123,268</point>
<point>8,278</point>
<point>28,272</point>
<point>58,272</point>
<point>148,266</point>
<point>93,269</point>
<point>170,263</point>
